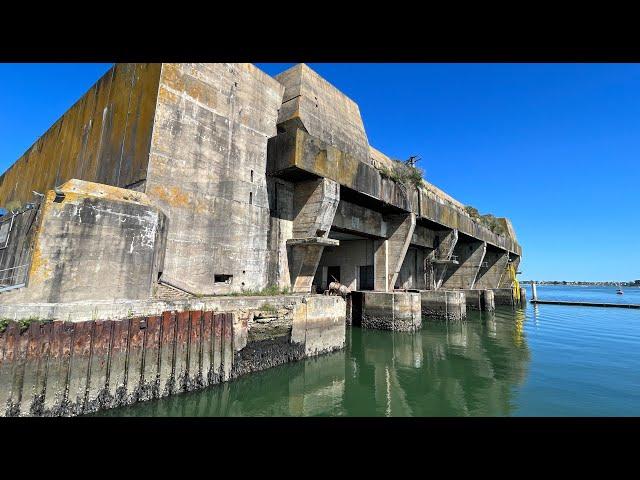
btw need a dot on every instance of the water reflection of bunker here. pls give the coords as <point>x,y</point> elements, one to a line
<point>466,368</point>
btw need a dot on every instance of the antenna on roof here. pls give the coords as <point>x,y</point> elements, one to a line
<point>413,159</point>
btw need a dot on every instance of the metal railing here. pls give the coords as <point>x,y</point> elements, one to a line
<point>14,277</point>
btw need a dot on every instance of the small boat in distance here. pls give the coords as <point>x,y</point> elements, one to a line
<point>619,291</point>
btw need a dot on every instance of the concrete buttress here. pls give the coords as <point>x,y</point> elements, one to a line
<point>389,253</point>
<point>491,275</point>
<point>470,255</point>
<point>315,203</point>
<point>440,258</point>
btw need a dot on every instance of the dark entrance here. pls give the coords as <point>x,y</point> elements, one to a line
<point>366,277</point>
<point>333,275</point>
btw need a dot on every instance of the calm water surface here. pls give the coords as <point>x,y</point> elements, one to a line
<point>544,360</point>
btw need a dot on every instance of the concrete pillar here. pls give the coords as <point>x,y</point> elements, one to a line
<point>491,275</point>
<point>439,259</point>
<point>443,305</point>
<point>389,253</point>
<point>503,297</point>
<point>480,300</point>
<point>314,206</point>
<point>470,255</point>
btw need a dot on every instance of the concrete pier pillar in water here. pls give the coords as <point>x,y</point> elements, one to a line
<point>481,300</point>
<point>443,305</point>
<point>399,311</point>
<point>503,296</point>
<point>523,297</point>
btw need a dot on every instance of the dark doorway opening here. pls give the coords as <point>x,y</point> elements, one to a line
<point>366,277</point>
<point>333,275</point>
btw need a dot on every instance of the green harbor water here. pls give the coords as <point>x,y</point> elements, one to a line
<point>543,360</point>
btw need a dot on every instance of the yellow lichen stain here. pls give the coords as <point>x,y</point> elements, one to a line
<point>40,269</point>
<point>171,195</point>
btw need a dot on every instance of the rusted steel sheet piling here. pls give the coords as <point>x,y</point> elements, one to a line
<point>67,369</point>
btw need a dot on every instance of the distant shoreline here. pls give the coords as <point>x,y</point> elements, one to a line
<point>635,283</point>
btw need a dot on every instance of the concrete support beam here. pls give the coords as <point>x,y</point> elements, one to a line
<point>491,275</point>
<point>389,253</point>
<point>470,255</point>
<point>314,206</point>
<point>438,261</point>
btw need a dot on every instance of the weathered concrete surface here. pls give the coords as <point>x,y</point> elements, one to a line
<point>94,242</point>
<point>350,217</point>
<point>349,257</point>
<point>294,152</point>
<point>313,104</point>
<point>412,274</point>
<point>504,297</point>
<point>314,206</point>
<point>89,309</point>
<point>470,255</point>
<point>207,172</point>
<point>491,275</point>
<point>104,137</point>
<point>389,253</point>
<point>386,310</point>
<point>443,305</point>
<point>440,258</point>
<point>235,160</point>
<point>481,300</point>
<point>319,323</point>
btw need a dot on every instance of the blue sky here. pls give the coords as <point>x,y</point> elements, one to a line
<point>554,147</point>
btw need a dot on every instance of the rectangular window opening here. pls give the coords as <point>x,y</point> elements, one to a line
<point>221,278</point>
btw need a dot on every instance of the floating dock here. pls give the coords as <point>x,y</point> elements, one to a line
<point>586,304</point>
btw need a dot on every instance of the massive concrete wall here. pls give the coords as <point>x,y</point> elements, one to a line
<point>207,172</point>
<point>313,104</point>
<point>194,138</point>
<point>103,138</point>
<point>94,242</point>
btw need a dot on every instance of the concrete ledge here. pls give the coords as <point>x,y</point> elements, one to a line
<point>327,242</point>
<point>443,305</point>
<point>398,311</point>
<point>113,310</point>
